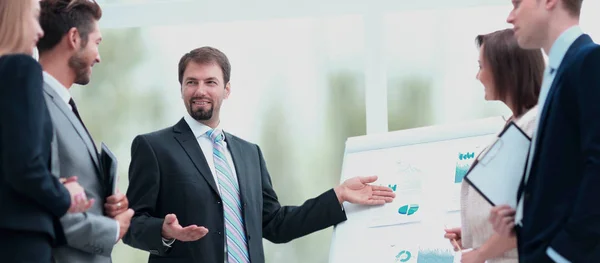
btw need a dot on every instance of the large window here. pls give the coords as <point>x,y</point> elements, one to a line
<point>304,79</point>
<point>297,91</point>
<point>432,66</point>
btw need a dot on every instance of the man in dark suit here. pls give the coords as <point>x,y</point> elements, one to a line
<point>31,198</point>
<point>216,184</point>
<point>558,217</point>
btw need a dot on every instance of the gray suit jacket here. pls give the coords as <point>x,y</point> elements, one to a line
<point>90,235</point>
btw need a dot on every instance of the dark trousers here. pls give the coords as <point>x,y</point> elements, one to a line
<point>25,247</point>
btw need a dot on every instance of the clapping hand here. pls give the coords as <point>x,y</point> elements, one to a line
<point>116,204</point>
<point>79,201</point>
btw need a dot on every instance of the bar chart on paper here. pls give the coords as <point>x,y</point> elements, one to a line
<point>425,168</point>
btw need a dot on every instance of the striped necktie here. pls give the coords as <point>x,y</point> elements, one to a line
<point>237,247</point>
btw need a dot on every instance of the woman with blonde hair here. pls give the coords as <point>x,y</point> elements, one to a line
<point>32,199</point>
<point>513,76</point>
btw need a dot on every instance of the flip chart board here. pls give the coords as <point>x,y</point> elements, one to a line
<point>425,167</point>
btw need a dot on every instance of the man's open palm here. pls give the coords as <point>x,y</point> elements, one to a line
<point>172,229</point>
<point>358,190</point>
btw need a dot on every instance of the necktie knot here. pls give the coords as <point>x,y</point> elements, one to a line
<point>216,135</point>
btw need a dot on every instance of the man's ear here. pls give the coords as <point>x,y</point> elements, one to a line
<point>550,4</point>
<point>73,38</point>
<point>227,89</point>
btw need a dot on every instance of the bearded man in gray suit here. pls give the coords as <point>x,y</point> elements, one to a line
<point>68,51</point>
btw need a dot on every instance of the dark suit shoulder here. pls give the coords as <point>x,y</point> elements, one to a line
<point>22,71</point>
<point>585,64</point>
<point>159,134</point>
<point>17,63</point>
<point>239,140</point>
<point>160,138</point>
<point>592,58</point>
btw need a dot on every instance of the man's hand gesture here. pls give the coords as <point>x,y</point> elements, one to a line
<point>171,229</point>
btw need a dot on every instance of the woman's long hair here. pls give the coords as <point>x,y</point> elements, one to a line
<point>517,72</point>
<point>13,25</point>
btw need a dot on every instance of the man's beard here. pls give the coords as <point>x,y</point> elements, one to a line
<point>200,114</point>
<point>77,63</point>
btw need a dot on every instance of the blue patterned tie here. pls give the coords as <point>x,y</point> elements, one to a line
<point>237,247</point>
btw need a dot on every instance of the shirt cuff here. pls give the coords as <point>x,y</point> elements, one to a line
<point>555,256</point>
<point>118,231</point>
<point>167,242</point>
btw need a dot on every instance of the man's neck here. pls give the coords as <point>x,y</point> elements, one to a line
<point>212,123</point>
<point>59,68</point>
<point>556,29</point>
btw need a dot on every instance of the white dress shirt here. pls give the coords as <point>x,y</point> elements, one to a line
<point>63,92</point>
<point>206,145</point>
<point>555,57</point>
<point>65,96</point>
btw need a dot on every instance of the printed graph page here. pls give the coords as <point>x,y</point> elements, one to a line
<point>425,177</point>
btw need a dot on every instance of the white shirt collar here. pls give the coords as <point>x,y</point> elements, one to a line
<point>198,128</point>
<point>561,46</point>
<point>62,91</point>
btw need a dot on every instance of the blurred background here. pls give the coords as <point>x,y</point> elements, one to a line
<point>305,77</point>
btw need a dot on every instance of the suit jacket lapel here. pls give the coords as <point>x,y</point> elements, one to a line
<point>187,140</point>
<point>240,164</point>
<point>566,62</point>
<point>75,122</point>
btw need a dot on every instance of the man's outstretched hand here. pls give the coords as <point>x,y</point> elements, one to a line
<point>357,190</point>
<point>171,229</point>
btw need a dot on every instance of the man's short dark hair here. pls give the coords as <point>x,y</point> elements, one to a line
<point>573,6</point>
<point>205,55</point>
<point>57,17</point>
<point>517,72</point>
